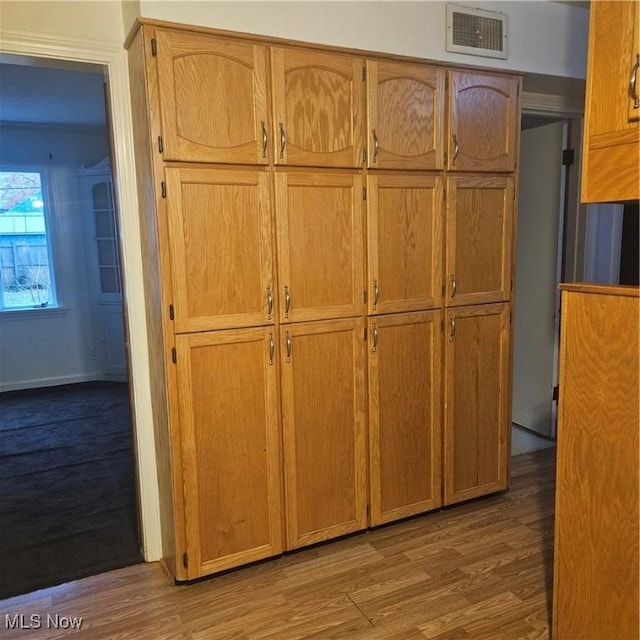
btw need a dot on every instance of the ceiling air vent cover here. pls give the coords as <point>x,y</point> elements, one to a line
<point>476,31</point>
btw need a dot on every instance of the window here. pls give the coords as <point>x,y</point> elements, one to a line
<point>26,270</point>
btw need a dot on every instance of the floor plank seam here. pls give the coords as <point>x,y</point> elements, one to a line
<point>362,613</point>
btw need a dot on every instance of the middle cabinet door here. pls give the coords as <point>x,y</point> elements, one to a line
<point>319,219</point>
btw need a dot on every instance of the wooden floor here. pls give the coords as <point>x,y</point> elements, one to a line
<point>477,570</point>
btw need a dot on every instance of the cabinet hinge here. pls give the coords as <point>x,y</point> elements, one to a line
<point>171,314</point>
<point>174,355</point>
<point>364,193</point>
<point>160,145</point>
<point>163,189</point>
<point>364,73</point>
<point>185,560</point>
<point>556,393</point>
<point>568,157</point>
<point>154,47</point>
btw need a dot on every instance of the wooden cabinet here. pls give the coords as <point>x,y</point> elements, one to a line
<point>221,247</point>
<point>477,401</point>
<point>484,121</point>
<point>405,414</point>
<point>318,106</point>
<point>323,418</point>
<point>612,133</point>
<point>596,567</point>
<point>213,98</point>
<point>479,239</point>
<point>230,448</point>
<point>405,223</point>
<point>320,245</point>
<point>405,115</point>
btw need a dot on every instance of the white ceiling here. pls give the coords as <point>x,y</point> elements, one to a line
<point>38,94</point>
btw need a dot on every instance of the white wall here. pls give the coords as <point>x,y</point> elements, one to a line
<point>547,38</point>
<point>47,347</point>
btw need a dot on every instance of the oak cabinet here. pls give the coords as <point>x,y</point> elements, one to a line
<point>612,132</point>
<point>405,225</point>
<point>221,247</point>
<point>230,448</point>
<point>213,98</point>
<point>405,115</point>
<point>318,106</point>
<point>484,121</point>
<point>405,410</point>
<point>323,418</point>
<point>320,223</point>
<point>477,401</point>
<point>479,239</point>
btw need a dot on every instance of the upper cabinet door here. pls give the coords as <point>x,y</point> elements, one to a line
<point>405,115</point>
<point>213,98</point>
<point>405,220</point>
<point>479,229</point>
<point>484,122</point>
<point>320,245</point>
<point>318,108</point>
<point>221,248</point>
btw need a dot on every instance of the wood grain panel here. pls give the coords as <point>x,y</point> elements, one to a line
<point>231,448</point>
<point>479,239</point>
<point>596,585</point>
<point>484,123</point>
<point>477,401</point>
<point>213,98</point>
<point>324,413</point>
<point>405,397</point>
<point>405,115</point>
<point>221,249</point>
<point>405,222</point>
<point>320,245</point>
<point>318,108</point>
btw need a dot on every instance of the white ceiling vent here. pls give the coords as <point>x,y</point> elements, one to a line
<point>476,31</point>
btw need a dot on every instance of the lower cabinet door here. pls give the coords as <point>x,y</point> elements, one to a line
<point>477,401</point>
<point>405,409</point>
<point>228,408</point>
<point>323,414</point>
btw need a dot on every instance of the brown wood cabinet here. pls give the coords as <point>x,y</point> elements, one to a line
<point>611,160</point>
<point>479,239</point>
<point>324,429</point>
<point>230,448</point>
<point>483,128</point>
<point>405,375</point>
<point>405,226</point>
<point>477,420</point>
<point>405,115</point>
<point>596,567</point>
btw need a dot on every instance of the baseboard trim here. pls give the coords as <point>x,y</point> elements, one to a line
<point>50,382</point>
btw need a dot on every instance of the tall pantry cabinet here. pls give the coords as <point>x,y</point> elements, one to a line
<point>327,245</point>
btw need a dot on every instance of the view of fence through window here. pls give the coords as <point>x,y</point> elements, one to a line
<point>25,272</point>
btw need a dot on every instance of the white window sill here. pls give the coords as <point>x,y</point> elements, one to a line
<point>37,313</point>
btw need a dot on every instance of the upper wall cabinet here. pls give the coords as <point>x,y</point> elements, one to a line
<point>405,107</point>
<point>318,108</point>
<point>213,102</point>
<point>483,125</point>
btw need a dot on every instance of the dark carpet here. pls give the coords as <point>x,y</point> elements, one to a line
<point>68,505</point>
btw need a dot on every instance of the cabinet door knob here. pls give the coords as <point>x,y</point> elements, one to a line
<point>633,83</point>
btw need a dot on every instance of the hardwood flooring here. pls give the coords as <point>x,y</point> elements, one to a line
<point>477,570</point>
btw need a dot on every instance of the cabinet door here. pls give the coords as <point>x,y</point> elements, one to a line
<point>221,248</point>
<point>477,401</point>
<point>405,242</point>
<point>323,407</point>
<point>484,121</point>
<point>320,245</point>
<point>479,232</point>
<point>405,115</point>
<point>318,108</point>
<point>610,167</point>
<point>213,98</point>
<point>405,398</point>
<point>228,397</point>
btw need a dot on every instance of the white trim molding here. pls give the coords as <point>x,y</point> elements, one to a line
<point>113,57</point>
<point>544,103</point>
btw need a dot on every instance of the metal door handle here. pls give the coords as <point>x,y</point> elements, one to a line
<point>456,147</point>
<point>288,344</point>
<point>269,303</point>
<point>452,327</point>
<point>375,146</point>
<point>374,331</point>
<point>376,294</point>
<point>287,302</point>
<point>452,279</point>
<point>633,83</point>
<point>272,348</point>
<point>265,139</point>
<point>283,140</point>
